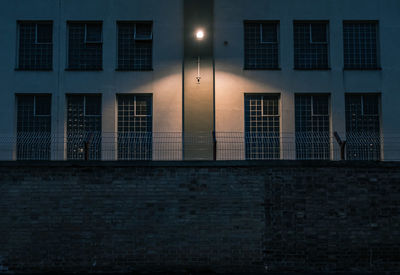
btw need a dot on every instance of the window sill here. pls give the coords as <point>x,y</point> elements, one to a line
<point>33,70</point>
<point>362,69</point>
<point>134,70</point>
<point>262,69</point>
<point>312,69</point>
<point>84,70</point>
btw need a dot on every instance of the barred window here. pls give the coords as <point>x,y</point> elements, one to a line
<point>84,127</point>
<point>134,127</point>
<point>135,46</point>
<point>262,126</point>
<point>85,46</point>
<point>311,45</point>
<point>363,127</point>
<point>33,127</point>
<point>360,45</point>
<point>312,126</point>
<point>261,45</point>
<point>35,51</point>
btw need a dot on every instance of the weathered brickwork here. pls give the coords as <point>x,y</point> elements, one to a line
<point>233,217</point>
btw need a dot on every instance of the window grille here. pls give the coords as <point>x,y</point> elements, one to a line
<point>312,127</point>
<point>310,45</point>
<point>363,127</point>
<point>262,126</point>
<point>84,126</point>
<point>134,127</point>
<point>360,45</point>
<point>35,50</point>
<point>33,127</point>
<point>85,47</point>
<point>261,47</point>
<point>135,46</point>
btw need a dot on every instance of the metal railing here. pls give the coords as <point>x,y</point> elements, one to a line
<point>169,146</point>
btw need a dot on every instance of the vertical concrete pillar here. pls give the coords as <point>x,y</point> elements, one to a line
<point>198,93</point>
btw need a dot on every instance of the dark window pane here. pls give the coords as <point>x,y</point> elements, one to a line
<point>43,105</point>
<point>44,33</point>
<point>309,52</point>
<point>360,45</point>
<point>81,55</point>
<point>33,129</point>
<point>93,33</point>
<point>362,127</point>
<point>93,105</point>
<point>35,46</point>
<point>319,34</point>
<point>262,127</point>
<point>83,129</point>
<point>135,46</point>
<point>134,127</point>
<point>312,126</point>
<point>261,47</point>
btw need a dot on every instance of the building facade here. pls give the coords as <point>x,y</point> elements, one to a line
<point>129,80</point>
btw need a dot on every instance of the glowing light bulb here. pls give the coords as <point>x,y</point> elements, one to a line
<point>199,34</point>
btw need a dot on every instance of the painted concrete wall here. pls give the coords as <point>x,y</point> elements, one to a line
<point>198,94</point>
<point>231,81</point>
<point>164,82</point>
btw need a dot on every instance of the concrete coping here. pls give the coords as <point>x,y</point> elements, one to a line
<point>205,163</point>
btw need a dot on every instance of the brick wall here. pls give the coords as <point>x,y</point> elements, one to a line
<point>199,217</point>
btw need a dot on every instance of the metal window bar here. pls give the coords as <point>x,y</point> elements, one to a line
<point>84,127</point>
<point>312,127</point>
<point>35,52</point>
<point>261,45</point>
<point>33,126</point>
<point>360,41</point>
<point>135,46</point>
<point>363,127</point>
<point>83,55</point>
<point>310,54</point>
<point>262,127</point>
<point>135,127</point>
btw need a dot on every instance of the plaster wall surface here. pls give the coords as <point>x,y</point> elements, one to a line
<point>165,82</point>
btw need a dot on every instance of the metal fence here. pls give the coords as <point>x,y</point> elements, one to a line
<point>169,146</point>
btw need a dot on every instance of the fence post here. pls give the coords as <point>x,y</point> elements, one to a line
<point>214,146</point>
<point>342,145</point>
<point>86,150</point>
<point>87,145</point>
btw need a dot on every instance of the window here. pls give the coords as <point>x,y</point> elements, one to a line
<point>363,127</point>
<point>310,45</point>
<point>84,127</point>
<point>134,127</point>
<point>33,127</point>
<point>135,46</point>
<point>262,126</point>
<point>35,51</point>
<point>360,45</point>
<point>312,126</point>
<point>261,45</point>
<point>85,46</point>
